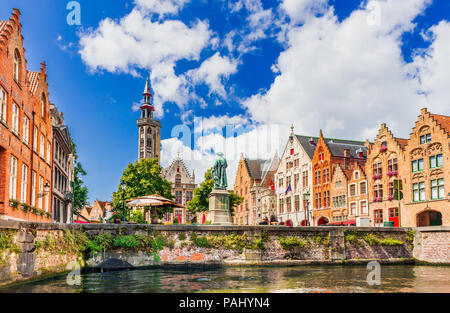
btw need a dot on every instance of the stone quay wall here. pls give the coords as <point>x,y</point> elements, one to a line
<point>36,250</point>
<point>432,245</point>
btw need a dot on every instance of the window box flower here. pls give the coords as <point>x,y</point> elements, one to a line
<point>377,176</point>
<point>392,173</point>
<point>24,207</point>
<point>383,148</point>
<point>14,204</point>
<point>377,200</point>
<point>390,198</point>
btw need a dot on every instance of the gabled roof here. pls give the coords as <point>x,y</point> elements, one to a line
<point>307,146</point>
<point>174,162</point>
<point>33,80</point>
<point>442,120</point>
<point>256,168</point>
<point>338,146</point>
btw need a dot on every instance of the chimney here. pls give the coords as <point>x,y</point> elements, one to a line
<point>423,111</point>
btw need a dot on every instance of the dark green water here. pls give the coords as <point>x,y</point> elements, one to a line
<point>298,279</point>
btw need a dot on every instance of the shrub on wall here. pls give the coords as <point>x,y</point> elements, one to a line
<point>290,243</point>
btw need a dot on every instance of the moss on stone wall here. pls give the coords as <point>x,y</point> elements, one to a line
<point>353,238</point>
<point>291,242</point>
<point>8,245</point>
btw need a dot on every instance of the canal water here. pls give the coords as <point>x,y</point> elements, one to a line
<point>295,279</point>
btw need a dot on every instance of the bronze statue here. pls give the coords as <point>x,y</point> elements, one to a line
<point>219,172</point>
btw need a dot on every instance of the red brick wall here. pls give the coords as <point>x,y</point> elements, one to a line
<point>29,104</point>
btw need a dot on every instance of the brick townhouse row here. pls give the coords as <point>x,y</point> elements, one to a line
<point>330,181</point>
<point>26,132</point>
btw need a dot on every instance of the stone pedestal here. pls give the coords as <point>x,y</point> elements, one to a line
<point>219,208</point>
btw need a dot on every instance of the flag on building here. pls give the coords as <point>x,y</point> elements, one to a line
<point>288,189</point>
<point>272,185</point>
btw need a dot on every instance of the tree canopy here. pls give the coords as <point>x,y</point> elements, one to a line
<point>80,190</point>
<point>200,201</point>
<point>142,178</point>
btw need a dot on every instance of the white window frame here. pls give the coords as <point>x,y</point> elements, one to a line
<point>26,129</point>
<point>42,146</point>
<point>41,191</point>
<point>48,151</point>
<point>15,118</point>
<point>361,209</point>
<point>356,190</point>
<point>359,187</point>
<point>16,66</point>
<point>3,104</point>
<point>24,184</point>
<point>33,187</point>
<point>350,208</point>
<point>35,135</point>
<point>13,178</point>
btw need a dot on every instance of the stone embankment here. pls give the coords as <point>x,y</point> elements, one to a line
<point>35,250</point>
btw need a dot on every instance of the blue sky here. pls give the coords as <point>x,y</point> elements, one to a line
<point>341,66</point>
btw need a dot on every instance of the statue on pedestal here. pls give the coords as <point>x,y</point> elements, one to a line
<point>219,172</point>
<point>219,199</point>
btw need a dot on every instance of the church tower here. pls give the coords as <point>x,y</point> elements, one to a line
<point>149,128</point>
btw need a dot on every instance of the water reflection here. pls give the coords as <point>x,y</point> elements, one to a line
<point>394,278</point>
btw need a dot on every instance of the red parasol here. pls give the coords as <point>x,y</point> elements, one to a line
<point>204,218</point>
<point>179,218</point>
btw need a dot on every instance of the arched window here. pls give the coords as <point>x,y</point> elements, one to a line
<point>16,69</point>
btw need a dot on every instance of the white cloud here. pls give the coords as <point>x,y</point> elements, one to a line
<point>213,71</point>
<point>345,77</point>
<point>162,6</point>
<point>432,68</point>
<point>219,122</point>
<point>301,10</point>
<point>135,42</point>
<point>259,143</point>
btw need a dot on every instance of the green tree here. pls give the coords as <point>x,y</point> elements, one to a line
<point>80,190</point>
<point>200,201</point>
<point>142,178</point>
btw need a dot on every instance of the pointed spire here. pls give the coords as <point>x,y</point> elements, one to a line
<point>147,86</point>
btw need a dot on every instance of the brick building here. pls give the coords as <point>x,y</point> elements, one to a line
<point>98,213</point>
<point>249,174</point>
<point>25,131</point>
<point>183,185</point>
<point>262,194</point>
<point>426,172</point>
<point>357,193</point>
<point>327,155</point>
<point>384,162</point>
<point>293,180</point>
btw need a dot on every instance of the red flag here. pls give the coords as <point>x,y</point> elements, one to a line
<point>272,185</point>
<point>179,218</point>
<point>204,218</point>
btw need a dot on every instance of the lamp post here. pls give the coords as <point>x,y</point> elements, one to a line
<point>306,196</point>
<point>123,186</point>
